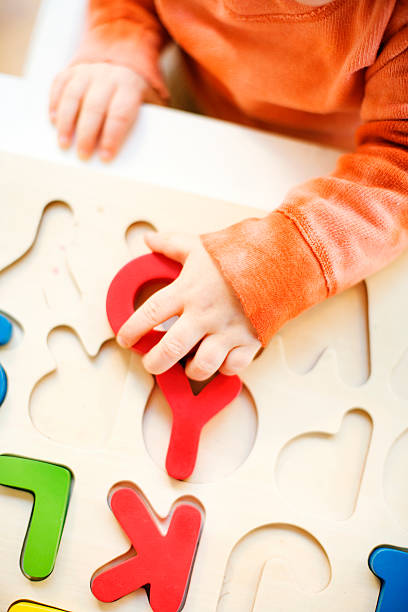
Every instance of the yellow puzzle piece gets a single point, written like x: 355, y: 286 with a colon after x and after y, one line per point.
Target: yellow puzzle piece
x: 29, y: 606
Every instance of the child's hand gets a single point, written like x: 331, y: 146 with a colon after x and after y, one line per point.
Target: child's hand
x: 208, y: 311
x: 102, y: 102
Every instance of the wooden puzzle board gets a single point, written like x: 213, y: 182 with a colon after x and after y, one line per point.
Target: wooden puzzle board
x: 300, y: 477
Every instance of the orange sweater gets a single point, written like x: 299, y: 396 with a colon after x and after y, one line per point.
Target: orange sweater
x: 326, y: 74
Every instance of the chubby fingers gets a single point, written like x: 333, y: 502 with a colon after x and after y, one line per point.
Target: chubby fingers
x: 121, y: 114
x: 230, y: 353
x: 57, y: 88
x: 157, y: 309
x: 100, y: 99
x: 173, y: 245
x: 174, y: 345
x: 210, y: 315
x: 69, y: 107
x: 177, y: 342
x: 209, y: 357
x: 218, y: 352
x: 239, y: 358
x: 92, y: 116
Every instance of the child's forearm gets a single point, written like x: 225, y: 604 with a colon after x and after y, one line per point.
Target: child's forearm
x: 127, y: 33
x: 334, y: 231
x: 271, y: 268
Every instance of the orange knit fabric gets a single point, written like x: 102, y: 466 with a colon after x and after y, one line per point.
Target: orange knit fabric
x: 330, y: 74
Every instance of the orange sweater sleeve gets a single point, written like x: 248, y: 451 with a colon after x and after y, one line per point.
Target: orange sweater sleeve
x: 128, y: 33
x: 333, y: 231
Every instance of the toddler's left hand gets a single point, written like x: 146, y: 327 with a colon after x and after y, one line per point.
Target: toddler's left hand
x: 208, y: 311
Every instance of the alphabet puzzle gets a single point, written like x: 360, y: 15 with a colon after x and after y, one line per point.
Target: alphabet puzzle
x: 263, y: 493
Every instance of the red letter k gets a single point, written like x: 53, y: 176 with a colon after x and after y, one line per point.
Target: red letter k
x: 164, y: 562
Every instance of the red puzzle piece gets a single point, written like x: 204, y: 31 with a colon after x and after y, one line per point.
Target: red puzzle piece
x: 164, y: 562
x: 126, y: 285
x: 190, y: 412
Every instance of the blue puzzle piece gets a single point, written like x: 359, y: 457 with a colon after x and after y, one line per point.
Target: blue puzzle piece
x: 3, y: 385
x: 390, y: 565
x: 6, y: 330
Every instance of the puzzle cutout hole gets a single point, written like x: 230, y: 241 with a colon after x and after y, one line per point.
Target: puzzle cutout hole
x: 44, y: 266
x: 399, y: 376
x: 300, y: 563
x: 395, y: 480
x: 134, y: 238
x: 226, y: 441
x: 82, y: 414
x: 323, y: 472
x: 340, y: 323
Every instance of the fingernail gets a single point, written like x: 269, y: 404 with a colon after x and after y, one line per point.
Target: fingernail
x: 105, y: 155
x: 63, y: 141
x: 121, y: 341
x: 82, y: 154
x: 146, y: 365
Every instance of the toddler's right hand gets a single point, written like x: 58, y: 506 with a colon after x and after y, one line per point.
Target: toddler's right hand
x: 101, y: 101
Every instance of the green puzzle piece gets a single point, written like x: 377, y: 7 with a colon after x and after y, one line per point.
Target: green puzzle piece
x: 51, y: 486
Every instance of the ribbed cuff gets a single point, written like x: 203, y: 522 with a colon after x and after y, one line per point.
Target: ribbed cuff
x: 271, y: 268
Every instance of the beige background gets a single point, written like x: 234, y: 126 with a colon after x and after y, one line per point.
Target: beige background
x: 17, y: 18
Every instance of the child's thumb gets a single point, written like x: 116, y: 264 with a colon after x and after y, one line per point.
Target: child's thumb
x: 175, y: 246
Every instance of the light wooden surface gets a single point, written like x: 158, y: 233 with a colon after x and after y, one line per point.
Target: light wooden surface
x: 293, y: 507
